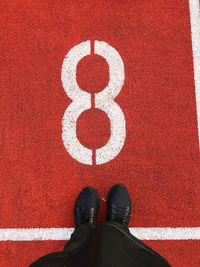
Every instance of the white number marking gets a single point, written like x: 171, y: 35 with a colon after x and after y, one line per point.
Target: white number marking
x: 104, y: 100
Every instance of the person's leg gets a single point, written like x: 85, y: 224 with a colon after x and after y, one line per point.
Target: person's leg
x: 85, y: 214
x: 79, y: 236
x: 119, y: 212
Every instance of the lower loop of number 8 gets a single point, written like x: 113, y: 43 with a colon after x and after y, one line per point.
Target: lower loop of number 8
x: 104, y: 100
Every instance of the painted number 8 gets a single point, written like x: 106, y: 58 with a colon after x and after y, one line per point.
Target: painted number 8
x: 104, y: 100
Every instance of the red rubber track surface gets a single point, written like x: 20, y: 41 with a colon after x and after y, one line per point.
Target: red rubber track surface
x: 159, y: 162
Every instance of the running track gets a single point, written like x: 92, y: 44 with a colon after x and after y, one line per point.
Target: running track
x: 155, y: 132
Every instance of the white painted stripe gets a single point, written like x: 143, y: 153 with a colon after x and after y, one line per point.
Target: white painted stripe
x: 166, y: 233
x: 195, y: 30
x: 41, y: 234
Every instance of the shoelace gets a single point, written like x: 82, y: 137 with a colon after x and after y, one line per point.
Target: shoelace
x: 85, y: 215
x: 120, y: 214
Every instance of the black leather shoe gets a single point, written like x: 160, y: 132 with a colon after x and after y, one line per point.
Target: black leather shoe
x: 119, y: 205
x: 86, y: 207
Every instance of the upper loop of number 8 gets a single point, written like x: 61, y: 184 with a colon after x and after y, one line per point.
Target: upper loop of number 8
x: 104, y: 100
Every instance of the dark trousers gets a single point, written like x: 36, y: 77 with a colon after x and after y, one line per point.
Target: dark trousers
x: 83, y: 233
x: 106, y: 245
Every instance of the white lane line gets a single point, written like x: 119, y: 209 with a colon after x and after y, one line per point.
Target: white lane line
x: 195, y: 30
x: 166, y: 233
x: 143, y: 233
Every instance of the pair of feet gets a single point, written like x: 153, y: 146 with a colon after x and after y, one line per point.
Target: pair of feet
x: 88, y: 203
